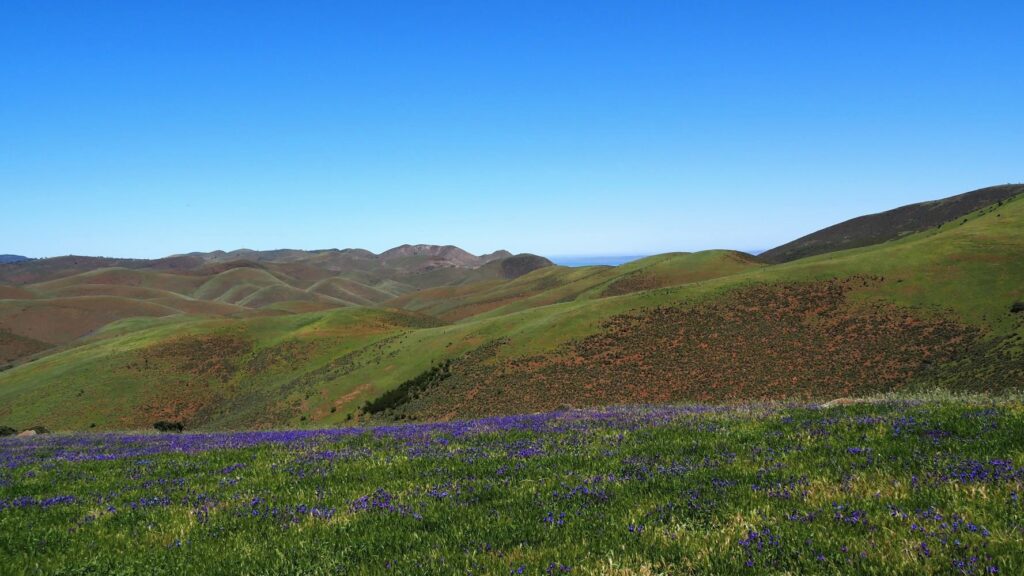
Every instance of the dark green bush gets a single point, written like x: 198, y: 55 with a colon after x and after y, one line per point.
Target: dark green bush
x: 166, y: 426
x: 7, y: 431
x: 408, y: 389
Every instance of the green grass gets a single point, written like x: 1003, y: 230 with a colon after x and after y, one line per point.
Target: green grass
x: 968, y: 271
x: 927, y: 485
x: 558, y: 284
x: 92, y: 385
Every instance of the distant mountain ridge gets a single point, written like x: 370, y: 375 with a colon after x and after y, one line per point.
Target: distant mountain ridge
x: 399, y: 261
x: 891, y: 224
x: 11, y: 258
x: 52, y: 301
x: 440, y: 252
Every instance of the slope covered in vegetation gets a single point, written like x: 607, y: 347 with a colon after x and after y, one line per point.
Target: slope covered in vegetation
x: 930, y: 309
x: 891, y: 224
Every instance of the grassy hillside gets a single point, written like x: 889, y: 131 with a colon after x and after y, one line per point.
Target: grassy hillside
x: 961, y: 281
x: 13, y: 347
x: 224, y: 373
x: 121, y: 277
x: 930, y: 309
x: 891, y: 224
x: 60, y: 300
x: 558, y: 284
x: 350, y: 291
x: 945, y: 292
x: 60, y: 320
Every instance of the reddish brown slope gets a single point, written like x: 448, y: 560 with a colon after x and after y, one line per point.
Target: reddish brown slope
x: 767, y: 341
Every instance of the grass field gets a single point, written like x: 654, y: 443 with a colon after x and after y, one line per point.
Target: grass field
x: 899, y: 486
x: 930, y: 309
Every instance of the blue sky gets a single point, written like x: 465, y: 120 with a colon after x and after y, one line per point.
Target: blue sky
x: 143, y: 128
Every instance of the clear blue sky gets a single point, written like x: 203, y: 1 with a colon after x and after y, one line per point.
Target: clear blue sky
x: 144, y: 128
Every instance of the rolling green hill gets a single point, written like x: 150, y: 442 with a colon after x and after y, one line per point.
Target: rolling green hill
x: 891, y: 224
x: 932, y: 308
x: 551, y: 285
x: 57, y: 301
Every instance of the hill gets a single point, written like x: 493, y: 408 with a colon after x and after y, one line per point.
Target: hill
x: 400, y: 261
x: 55, y: 301
x: 891, y: 224
x: 226, y: 373
x: 11, y: 258
x: 931, y: 308
x: 551, y: 285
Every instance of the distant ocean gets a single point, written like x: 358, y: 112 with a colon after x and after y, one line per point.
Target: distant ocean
x: 594, y: 260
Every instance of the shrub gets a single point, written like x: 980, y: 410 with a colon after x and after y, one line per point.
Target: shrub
x: 166, y: 426
x: 408, y: 389
x: 40, y: 429
x: 1017, y: 307
x: 7, y: 431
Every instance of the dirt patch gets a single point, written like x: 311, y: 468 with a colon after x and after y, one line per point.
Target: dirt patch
x: 798, y: 341
x: 633, y: 282
x: 342, y: 401
x: 15, y: 293
x: 14, y: 347
x: 284, y: 356
x: 61, y: 320
x: 215, y: 357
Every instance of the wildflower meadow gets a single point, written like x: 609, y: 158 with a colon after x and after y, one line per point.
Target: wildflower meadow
x: 928, y: 486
